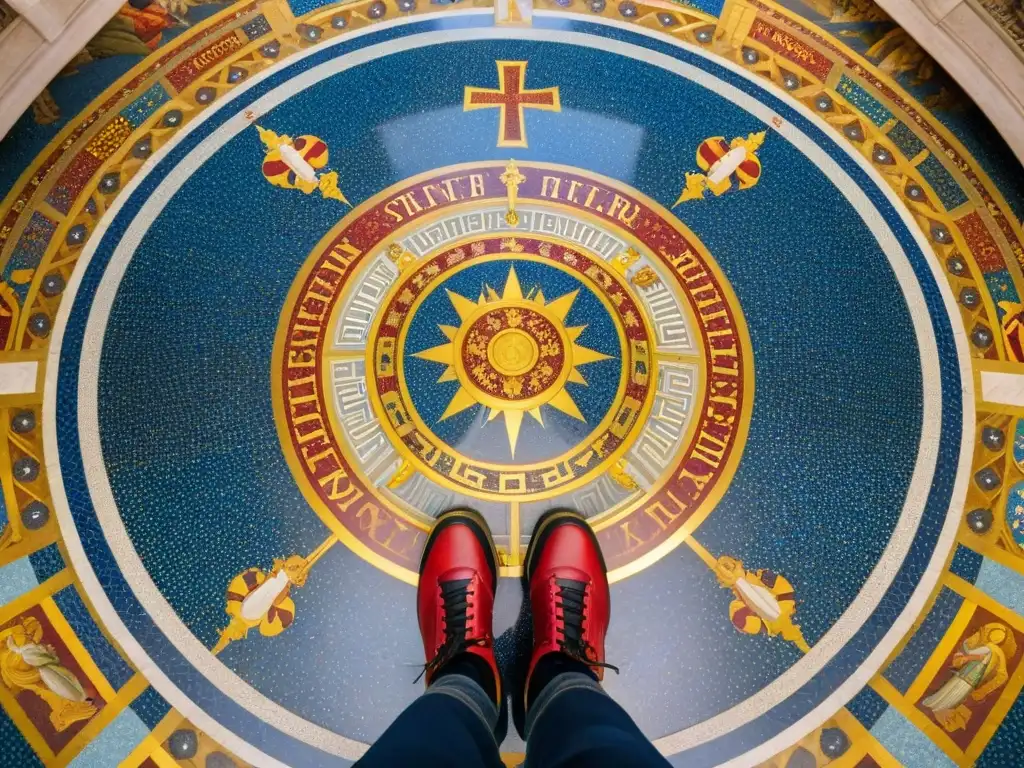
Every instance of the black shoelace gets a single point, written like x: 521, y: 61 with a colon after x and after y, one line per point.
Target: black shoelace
x: 571, y: 594
x: 455, y: 596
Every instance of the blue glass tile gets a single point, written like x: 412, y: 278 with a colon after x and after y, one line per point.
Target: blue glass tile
x: 711, y: 7
x: 16, y: 579
x: 47, y: 562
x: 302, y: 7
x: 941, y: 180
x: 1002, y: 584
x: 906, y: 743
x: 871, y: 107
x: 1001, y: 287
x: 905, y: 667
x: 13, y: 747
x: 867, y: 706
x: 1007, y: 745
x: 906, y: 140
x: 114, y: 743
x: 151, y: 707
x: 966, y: 563
x: 257, y: 27
x: 145, y: 105
x: 110, y: 662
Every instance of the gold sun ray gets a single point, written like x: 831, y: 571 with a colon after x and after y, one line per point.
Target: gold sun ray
x: 439, y: 354
x: 563, y: 402
x: 513, y: 421
x: 556, y: 310
x: 583, y: 355
x: 560, y: 307
x: 513, y: 291
x: 463, y: 307
x: 459, y: 403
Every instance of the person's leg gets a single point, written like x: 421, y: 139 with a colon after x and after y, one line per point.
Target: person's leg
x: 570, y: 722
x: 460, y: 719
x: 452, y: 724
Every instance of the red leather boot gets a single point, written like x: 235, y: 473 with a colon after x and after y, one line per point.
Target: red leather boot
x: 568, y: 588
x: 455, y: 600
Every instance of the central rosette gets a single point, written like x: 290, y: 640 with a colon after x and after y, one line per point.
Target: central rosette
x: 503, y: 350
x: 512, y: 353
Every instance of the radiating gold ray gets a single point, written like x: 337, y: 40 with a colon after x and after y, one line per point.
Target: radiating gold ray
x: 512, y: 289
x: 445, y: 353
x: 584, y: 355
x: 563, y: 401
x: 560, y: 307
x: 459, y: 403
x: 513, y: 421
x: 463, y: 306
x: 557, y: 310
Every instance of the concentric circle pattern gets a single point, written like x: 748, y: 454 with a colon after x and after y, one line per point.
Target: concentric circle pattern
x: 310, y: 275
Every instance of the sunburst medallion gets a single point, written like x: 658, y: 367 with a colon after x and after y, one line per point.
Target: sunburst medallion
x: 512, y: 354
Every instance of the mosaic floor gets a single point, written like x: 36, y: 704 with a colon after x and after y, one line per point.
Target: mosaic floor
x: 738, y: 280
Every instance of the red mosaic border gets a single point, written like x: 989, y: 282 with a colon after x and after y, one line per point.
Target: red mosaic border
x: 721, y: 416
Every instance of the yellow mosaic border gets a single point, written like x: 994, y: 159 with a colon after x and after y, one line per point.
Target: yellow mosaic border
x: 905, y: 704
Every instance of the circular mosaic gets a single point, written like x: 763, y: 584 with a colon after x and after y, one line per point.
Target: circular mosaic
x: 514, y: 370
x: 701, y: 319
x: 514, y: 355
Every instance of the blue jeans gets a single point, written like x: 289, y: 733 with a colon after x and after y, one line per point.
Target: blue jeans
x: 573, y: 723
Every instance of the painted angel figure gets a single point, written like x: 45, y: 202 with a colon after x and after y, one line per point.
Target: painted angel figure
x: 28, y: 665
x: 978, y: 669
x: 1013, y: 329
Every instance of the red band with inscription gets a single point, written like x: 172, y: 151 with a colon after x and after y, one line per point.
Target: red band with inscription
x: 721, y: 413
